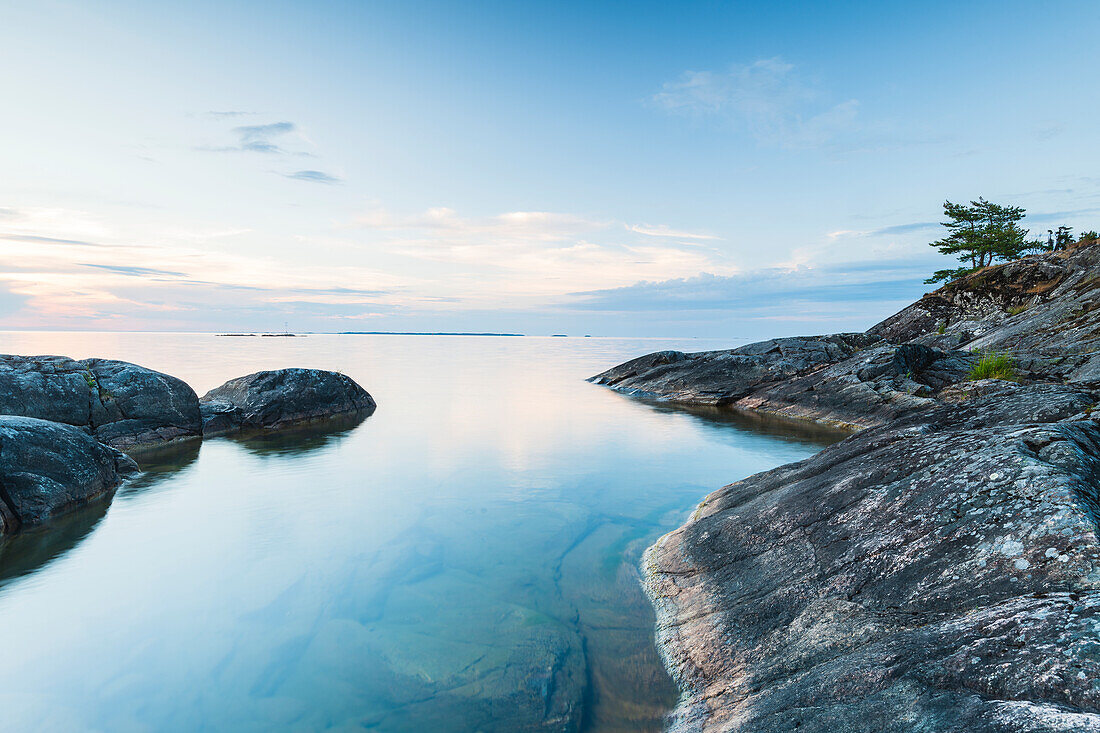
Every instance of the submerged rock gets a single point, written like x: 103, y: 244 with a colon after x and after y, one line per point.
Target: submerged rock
x: 47, y: 468
x: 280, y: 398
x: 121, y: 404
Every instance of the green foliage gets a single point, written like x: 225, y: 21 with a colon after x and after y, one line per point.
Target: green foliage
x: 1063, y: 237
x: 980, y: 234
x: 1090, y: 237
x: 1018, y: 309
x: 994, y: 365
x: 942, y: 329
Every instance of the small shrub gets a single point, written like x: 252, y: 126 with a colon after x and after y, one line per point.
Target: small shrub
x: 942, y: 329
x: 1018, y: 309
x: 994, y: 365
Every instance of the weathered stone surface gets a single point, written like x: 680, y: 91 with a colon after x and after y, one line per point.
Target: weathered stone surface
x: 1045, y: 304
x: 275, y: 399
x: 938, y: 571
x: 1043, y: 309
x: 47, y: 468
x: 121, y: 404
x: 844, y: 380
x: 941, y: 573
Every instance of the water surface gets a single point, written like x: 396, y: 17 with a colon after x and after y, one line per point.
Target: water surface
x: 465, y: 559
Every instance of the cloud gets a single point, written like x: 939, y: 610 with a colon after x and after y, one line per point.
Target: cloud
x: 313, y: 176
x: 35, y: 239
x: 761, y: 290
x: 10, y: 302
x: 765, y: 97
x: 663, y: 230
x: 221, y: 115
x: 538, y: 225
x: 1058, y: 216
x: 133, y: 271
x: 534, y: 255
x: 885, y: 231
x: 257, y: 138
x: 904, y: 228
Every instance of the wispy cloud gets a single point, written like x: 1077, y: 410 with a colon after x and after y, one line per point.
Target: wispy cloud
x: 1051, y: 217
x: 258, y: 138
x: 36, y: 239
x: 871, y: 281
x: 765, y: 97
x: 313, y: 177
x: 896, y: 229
x: 663, y: 230
x: 133, y: 271
x: 535, y: 254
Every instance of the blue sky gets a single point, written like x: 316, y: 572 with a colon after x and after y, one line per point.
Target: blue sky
x: 687, y: 169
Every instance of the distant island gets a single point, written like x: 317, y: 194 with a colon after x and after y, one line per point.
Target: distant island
x: 422, y: 333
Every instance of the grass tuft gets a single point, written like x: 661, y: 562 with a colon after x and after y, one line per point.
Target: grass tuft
x: 994, y: 365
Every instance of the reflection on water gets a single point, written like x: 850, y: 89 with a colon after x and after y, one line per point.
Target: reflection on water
x: 464, y: 559
x: 35, y: 547
x: 298, y: 439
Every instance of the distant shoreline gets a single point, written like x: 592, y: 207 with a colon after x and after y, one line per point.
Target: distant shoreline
x: 422, y: 333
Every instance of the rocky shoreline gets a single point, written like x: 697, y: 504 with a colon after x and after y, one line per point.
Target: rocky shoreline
x: 66, y: 426
x: 939, y: 570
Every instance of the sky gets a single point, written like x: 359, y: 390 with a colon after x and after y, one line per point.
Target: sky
x: 689, y: 169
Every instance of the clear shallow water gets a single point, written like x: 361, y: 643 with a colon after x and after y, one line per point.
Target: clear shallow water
x: 465, y: 559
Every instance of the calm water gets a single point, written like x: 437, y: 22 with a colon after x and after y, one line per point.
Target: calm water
x: 465, y: 559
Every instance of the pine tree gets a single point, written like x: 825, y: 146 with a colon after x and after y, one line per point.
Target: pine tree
x: 1063, y: 238
x: 980, y: 234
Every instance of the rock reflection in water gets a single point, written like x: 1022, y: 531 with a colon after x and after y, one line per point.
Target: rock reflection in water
x: 31, y: 549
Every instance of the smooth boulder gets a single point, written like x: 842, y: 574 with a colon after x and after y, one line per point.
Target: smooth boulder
x: 47, y: 468
x: 124, y: 405
x: 281, y: 398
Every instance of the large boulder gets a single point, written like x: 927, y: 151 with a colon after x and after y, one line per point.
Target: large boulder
x: 281, y: 398
x: 47, y: 468
x: 121, y: 404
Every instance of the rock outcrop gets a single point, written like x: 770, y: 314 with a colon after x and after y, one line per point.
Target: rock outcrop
x: 939, y: 570
x: 123, y: 405
x: 47, y: 468
x: 850, y: 380
x: 939, y: 573
x: 281, y: 398
x: 62, y: 422
x: 1044, y: 310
